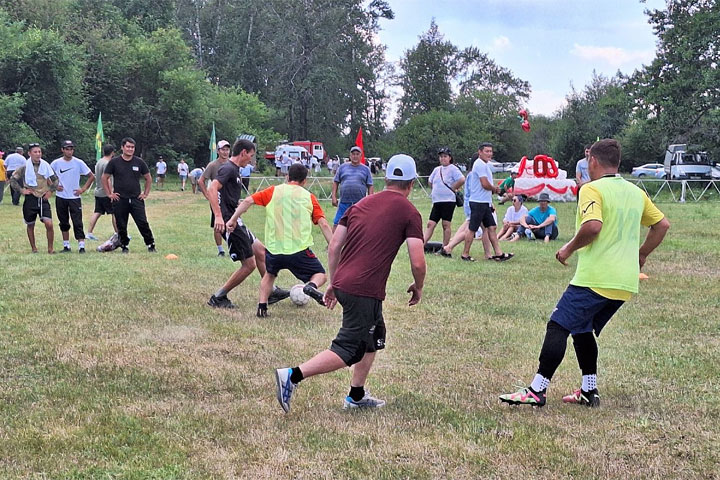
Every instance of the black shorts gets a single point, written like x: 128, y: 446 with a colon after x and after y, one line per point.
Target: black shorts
x: 34, y: 208
x: 103, y: 205
x: 303, y: 264
x: 363, y: 328
x: 442, y: 211
x: 161, y: 175
x: 212, y: 219
x: 480, y: 216
x: 240, y: 243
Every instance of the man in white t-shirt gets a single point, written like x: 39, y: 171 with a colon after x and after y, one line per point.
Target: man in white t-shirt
x: 13, y: 162
x: 481, y: 191
x: 68, y: 203
x: 513, y: 217
x: 183, y: 170
x: 161, y: 170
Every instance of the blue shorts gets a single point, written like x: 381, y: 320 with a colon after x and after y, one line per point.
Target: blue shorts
x: 342, y: 207
x: 581, y: 310
x: 303, y: 264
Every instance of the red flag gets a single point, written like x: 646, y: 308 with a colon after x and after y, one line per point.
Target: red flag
x: 359, y: 143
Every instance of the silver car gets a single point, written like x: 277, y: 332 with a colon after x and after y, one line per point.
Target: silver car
x: 648, y: 170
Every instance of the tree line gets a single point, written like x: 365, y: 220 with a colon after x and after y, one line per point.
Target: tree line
x: 163, y: 72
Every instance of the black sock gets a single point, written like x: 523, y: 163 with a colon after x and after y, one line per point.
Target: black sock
x: 357, y: 393
x: 296, y: 376
x: 553, y: 349
x: 262, y: 306
x: 312, y: 284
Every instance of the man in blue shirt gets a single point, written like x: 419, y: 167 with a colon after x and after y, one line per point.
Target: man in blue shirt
x: 541, y: 221
x: 355, y: 181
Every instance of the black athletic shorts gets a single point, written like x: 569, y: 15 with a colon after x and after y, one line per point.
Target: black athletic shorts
x: 212, y: 219
x: 363, y: 328
x: 442, y: 211
x: 303, y: 264
x: 480, y: 216
x: 240, y: 243
x: 34, y: 208
x: 103, y: 205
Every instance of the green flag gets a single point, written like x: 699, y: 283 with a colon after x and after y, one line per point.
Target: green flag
x: 99, y: 138
x: 213, y: 145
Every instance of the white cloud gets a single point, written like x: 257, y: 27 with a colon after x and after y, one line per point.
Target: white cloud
x: 613, y: 56
x: 545, y: 102
x: 501, y: 43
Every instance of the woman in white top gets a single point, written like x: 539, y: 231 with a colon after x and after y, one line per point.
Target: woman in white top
x: 512, y: 218
x: 444, y: 180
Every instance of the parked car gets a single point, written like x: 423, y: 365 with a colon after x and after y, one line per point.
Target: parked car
x: 496, y: 167
x: 649, y: 170
x: 716, y: 172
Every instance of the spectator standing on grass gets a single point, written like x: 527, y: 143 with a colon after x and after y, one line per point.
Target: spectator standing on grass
x: 360, y: 256
x: 103, y: 204
x: 183, y: 170
x: 481, y: 211
x: 37, y: 181
x: 12, y: 163
x: 582, y: 174
x: 209, y: 175
x: 610, y: 214
x: 3, y: 176
x: 160, y: 170
x: 126, y: 171
x: 540, y: 222
x: 354, y: 181
x: 444, y: 181
x: 68, y: 201
x: 224, y: 195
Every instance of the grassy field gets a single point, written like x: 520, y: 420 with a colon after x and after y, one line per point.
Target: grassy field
x: 112, y: 365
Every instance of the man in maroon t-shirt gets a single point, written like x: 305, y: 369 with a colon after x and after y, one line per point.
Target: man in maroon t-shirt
x: 360, y: 256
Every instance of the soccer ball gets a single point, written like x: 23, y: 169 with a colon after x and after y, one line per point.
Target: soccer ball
x: 297, y: 296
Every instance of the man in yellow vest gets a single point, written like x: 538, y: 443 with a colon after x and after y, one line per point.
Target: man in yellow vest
x: 610, y: 213
x: 291, y: 212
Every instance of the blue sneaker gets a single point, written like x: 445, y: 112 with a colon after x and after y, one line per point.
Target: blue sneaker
x: 284, y: 387
x: 368, y: 401
x: 90, y: 236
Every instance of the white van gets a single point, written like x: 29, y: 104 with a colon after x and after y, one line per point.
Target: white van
x: 297, y: 154
x: 683, y: 165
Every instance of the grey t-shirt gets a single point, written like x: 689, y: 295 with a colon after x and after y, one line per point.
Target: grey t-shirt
x: 99, y: 170
x: 582, y: 169
x: 354, y: 182
x: 440, y: 191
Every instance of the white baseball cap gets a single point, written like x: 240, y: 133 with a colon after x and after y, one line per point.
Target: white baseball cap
x: 401, y: 167
x: 223, y: 143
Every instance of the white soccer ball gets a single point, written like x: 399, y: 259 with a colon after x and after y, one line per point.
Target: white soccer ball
x: 297, y: 296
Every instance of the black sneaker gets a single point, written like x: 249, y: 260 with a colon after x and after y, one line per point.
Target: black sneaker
x: 581, y: 397
x: 152, y: 248
x: 313, y: 293
x: 221, y: 253
x: 220, y: 302
x: 277, y: 295
x: 81, y: 250
x: 65, y: 250
x: 124, y: 249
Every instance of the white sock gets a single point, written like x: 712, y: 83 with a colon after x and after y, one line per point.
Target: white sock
x: 220, y: 248
x: 66, y: 243
x: 81, y: 244
x: 589, y: 382
x: 539, y: 383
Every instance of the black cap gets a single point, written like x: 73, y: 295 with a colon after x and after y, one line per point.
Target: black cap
x: 445, y: 150
x: 67, y: 143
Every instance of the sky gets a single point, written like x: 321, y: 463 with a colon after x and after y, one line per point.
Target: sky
x: 553, y: 44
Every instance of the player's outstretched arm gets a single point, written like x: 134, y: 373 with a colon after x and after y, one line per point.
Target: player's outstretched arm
x: 655, y: 236
x: 416, y: 251
x: 325, y: 229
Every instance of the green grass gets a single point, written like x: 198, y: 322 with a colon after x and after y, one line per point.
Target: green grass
x: 112, y: 366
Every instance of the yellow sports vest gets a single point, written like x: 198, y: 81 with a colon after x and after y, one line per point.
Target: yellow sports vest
x: 288, y: 221
x: 612, y: 259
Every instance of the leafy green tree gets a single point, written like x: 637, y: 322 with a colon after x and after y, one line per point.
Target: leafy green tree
x: 679, y: 89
